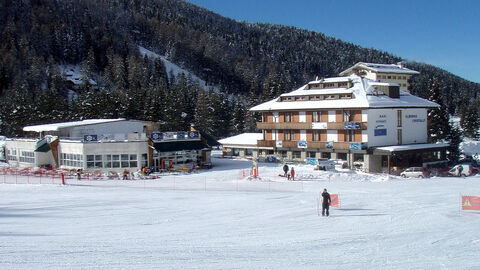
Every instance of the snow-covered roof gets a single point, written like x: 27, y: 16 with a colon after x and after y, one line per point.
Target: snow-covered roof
x: 381, y: 68
x: 242, y: 139
x: 303, y: 92
x: 395, y: 148
x: 58, y: 126
x: 331, y: 80
x: 365, y: 95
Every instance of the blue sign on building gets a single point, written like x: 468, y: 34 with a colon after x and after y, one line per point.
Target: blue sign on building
x: 355, y: 146
x: 156, y: 136
x: 193, y: 134
x: 380, y: 132
x: 90, y: 138
x: 351, y: 125
x: 329, y: 144
x: 180, y: 135
x: 302, y: 144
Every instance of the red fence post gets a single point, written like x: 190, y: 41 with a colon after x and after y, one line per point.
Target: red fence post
x: 63, y: 178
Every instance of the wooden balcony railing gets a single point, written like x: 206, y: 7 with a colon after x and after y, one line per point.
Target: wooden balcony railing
x: 304, y: 125
x: 283, y: 125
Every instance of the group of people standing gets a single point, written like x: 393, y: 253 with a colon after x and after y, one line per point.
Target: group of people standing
x: 290, y: 175
x: 326, y: 200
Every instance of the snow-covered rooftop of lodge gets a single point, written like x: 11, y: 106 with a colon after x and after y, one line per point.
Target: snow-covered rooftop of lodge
x: 242, y: 139
x: 58, y: 126
x: 331, y: 80
x: 364, y: 96
x: 407, y: 147
x: 383, y: 68
x: 303, y: 92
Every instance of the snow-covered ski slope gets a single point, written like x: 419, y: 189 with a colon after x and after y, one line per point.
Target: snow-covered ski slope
x: 171, y: 67
x: 383, y: 223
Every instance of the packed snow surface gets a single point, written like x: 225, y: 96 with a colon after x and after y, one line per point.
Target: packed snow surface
x: 213, y: 220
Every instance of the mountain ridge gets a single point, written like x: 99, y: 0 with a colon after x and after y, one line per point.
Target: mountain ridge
x: 252, y: 61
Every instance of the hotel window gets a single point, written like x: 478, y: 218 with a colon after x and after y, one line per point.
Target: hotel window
x: 347, y: 116
x: 289, y: 135
x: 27, y: 157
x: 331, y: 97
x: 316, y: 135
x: 316, y: 116
x: 399, y: 118
x: 349, y: 135
x: 394, y: 77
x: 314, y: 97
x: 311, y: 154
x: 288, y: 116
x: 345, y: 96
x: 283, y: 154
x: 389, y: 77
x: 297, y: 154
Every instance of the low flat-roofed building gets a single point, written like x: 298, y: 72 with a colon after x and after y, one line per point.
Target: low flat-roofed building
x: 107, y: 145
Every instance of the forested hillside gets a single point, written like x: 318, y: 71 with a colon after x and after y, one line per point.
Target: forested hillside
x: 244, y: 63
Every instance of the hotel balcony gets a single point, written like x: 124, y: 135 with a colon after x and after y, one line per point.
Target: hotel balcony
x: 310, y: 144
x: 305, y: 125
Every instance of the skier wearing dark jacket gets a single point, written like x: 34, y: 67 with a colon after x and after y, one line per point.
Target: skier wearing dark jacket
x: 285, y: 169
x: 325, y: 202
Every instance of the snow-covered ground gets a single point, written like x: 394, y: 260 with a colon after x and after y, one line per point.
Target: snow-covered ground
x: 211, y: 220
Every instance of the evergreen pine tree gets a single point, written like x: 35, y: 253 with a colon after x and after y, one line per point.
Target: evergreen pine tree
x: 438, y: 117
x: 203, y: 113
x: 238, y: 118
x: 454, y: 138
x: 251, y: 118
x: 470, y: 122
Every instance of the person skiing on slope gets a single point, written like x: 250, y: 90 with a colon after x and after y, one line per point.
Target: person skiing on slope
x: 325, y: 202
x: 285, y: 169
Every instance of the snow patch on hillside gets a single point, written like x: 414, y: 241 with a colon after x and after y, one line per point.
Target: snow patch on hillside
x: 175, y: 69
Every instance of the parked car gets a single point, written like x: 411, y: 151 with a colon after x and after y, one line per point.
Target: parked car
x: 461, y: 170
x: 414, y: 172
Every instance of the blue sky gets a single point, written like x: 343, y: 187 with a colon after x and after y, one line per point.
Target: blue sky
x: 442, y: 33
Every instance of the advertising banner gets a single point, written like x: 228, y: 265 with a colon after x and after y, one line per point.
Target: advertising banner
x: 380, y: 130
x: 181, y: 135
x: 279, y: 144
x: 156, y: 136
x: 302, y: 144
x: 193, y: 135
x: 90, y: 138
x: 169, y: 135
x: 355, y: 146
x: 329, y: 144
x: 351, y: 125
x: 319, y: 125
x: 471, y: 203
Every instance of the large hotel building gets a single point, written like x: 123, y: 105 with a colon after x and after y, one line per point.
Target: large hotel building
x: 359, y: 118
